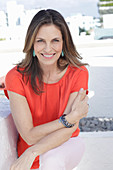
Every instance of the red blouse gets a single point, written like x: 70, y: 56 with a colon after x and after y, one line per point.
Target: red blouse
x: 51, y: 104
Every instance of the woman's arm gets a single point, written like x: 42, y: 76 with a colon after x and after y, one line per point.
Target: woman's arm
x: 49, y: 142
x: 23, y: 119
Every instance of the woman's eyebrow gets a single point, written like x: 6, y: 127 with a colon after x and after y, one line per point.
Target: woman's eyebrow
x: 39, y: 38
x: 56, y: 38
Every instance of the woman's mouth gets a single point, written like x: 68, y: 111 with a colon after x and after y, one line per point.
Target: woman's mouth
x: 48, y: 56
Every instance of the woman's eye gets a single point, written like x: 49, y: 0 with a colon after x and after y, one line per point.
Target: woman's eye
x: 55, y: 40
x: 39, y: 40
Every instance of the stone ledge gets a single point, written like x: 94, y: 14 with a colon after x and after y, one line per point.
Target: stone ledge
x: 97, y: 134
x: 96, y: 124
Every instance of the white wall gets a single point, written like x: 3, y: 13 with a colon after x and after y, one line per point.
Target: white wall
x: 8, y: 141
x: 108, y: 20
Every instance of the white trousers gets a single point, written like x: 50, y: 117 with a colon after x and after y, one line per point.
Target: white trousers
x: 65, y: 157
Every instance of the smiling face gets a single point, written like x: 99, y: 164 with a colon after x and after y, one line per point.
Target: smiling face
x: 48, y: 44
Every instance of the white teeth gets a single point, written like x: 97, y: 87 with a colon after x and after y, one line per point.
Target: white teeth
x: 48, y: 56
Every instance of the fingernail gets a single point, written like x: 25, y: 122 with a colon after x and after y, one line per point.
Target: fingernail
x: 81, y: 89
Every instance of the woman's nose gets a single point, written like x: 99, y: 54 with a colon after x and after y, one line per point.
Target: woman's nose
x: 48, y: 47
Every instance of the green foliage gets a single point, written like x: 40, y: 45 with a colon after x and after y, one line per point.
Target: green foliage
x: 105, y: 3
x: 2, y: 39
x: 101, y: 19
x: 87, y: 33
x: 105, y: 0
x: 81, y: 30
x: 108, y: 5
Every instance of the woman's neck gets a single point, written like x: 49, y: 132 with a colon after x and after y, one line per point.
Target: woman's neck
x: 53, y: 75
x: 49, y: 70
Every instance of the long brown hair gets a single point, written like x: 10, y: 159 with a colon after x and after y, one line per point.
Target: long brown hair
x: 31, y: 66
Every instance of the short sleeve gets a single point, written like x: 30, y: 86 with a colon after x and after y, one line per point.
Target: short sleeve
x: 14, y: 82
x: 80, y: 80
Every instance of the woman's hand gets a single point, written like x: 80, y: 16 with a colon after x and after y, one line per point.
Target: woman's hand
x: 2, y: 82
x: 24, y: 162
x: 79, y: 107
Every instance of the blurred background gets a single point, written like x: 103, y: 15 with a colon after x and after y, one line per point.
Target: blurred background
x: 91, y: 26
x: 84, y: 17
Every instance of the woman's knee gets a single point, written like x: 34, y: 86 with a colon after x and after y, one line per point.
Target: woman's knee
x: 52, y: 162
x: 64, y: 157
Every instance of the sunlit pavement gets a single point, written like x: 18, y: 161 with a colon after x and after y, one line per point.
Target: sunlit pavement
x: 97, y: 53
x: 100, y: 59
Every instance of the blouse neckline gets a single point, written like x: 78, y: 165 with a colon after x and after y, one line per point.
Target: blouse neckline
x: 50, y: 84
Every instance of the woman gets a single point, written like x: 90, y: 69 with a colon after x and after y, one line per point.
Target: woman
x: 45, y: 97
